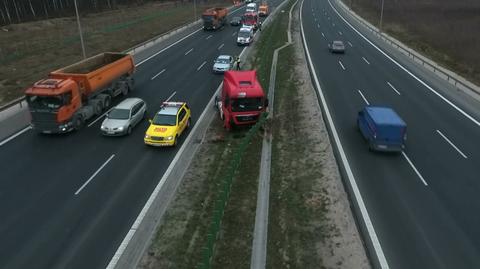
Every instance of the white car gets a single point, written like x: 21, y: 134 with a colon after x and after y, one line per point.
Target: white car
x: 245, y: 36
x: 252, y: 7
x: 123, y: 117
x: 223, y: 63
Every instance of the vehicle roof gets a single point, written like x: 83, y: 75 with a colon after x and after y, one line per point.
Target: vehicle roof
x: 236, y: 82
x: 337, y: 42
x: 246, y: 28
x: 384, y: 115
x: 128, y: 103
x: 170, y: 108
x: 251, y: 4
x: 226, y: 57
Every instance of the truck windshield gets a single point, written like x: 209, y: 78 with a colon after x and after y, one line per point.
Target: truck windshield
x: 208, y: 18
x: 246, y: 104
x: 119, y: 114
x: 45, y: 102
x: 169, y: 120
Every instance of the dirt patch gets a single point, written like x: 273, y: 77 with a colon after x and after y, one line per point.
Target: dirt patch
x: 311, y: 225
x: 29, y: 51
x: 424, y: 25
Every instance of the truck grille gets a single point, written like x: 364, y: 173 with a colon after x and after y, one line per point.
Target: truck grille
x: 247, y: 118
x: 44, y: 120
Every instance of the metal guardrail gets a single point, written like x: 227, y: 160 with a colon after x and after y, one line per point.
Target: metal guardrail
x: 448, y: 75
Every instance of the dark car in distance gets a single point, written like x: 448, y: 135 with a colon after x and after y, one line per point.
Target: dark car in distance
x: 236, y: 21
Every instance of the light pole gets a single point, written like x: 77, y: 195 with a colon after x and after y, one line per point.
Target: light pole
x: 381, y: 16
x: 80, y: 29
x: 194, y: 10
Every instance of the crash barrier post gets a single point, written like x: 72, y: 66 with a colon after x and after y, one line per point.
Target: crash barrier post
x: 224, y: 194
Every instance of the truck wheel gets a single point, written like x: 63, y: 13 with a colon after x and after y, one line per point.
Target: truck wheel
x: 78, y: 123
x: 98, y: 108
x: 107, y: 102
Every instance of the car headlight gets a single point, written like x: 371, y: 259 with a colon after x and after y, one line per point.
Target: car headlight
x: 103, y: 127
x: 169, y: 138
x: 147, y: 136
x: 121, y: 128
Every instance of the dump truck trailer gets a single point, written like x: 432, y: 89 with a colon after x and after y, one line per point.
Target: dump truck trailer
x: 70, y: 96
x: 214, y: 18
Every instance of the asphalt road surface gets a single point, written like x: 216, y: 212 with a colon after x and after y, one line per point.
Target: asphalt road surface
x: 424, y: 202
x: 47, y: 219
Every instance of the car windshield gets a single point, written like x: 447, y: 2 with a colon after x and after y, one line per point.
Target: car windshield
x: 162, y: 119
x: 45, y: 102
x: 236, y: 19
x: 338, y: 44
x: 246, y: 104
x: 207, y: 18
x: 244, y: 34
x: 222, y: 61
x: 119, y: 114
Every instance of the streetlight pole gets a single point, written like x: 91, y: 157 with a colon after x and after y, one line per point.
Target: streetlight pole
x: 194, y: 10
x: 381, y: 16
x: 80, y: 29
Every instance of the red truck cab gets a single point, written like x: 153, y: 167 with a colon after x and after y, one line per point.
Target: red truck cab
x: 241, y: 100
x: 251, y: 19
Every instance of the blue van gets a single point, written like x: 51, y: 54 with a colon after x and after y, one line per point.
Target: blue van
x: 383, y: 129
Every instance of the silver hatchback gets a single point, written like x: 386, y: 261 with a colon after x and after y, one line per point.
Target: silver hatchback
x: 123, y: 117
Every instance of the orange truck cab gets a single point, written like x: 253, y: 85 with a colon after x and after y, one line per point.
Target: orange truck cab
x: 263, y: 10
x: 214, y: 18
x: 242, y: 100
x: 70, y: 96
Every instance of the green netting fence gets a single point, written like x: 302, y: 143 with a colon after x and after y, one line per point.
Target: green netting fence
x: 224, y: 194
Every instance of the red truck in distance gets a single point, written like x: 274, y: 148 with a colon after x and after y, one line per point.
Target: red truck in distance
x: 250, y: 19
x: 242, y: 100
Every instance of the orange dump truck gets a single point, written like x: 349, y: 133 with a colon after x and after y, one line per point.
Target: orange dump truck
x: 263, y: 10
x: 214, y: 18
x: 70, y: 96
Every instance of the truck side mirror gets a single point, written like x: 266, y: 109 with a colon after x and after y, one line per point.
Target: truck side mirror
x: 266, y: 102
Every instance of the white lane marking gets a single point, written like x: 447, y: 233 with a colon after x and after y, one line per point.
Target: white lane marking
x: 221, y: 46
x: 318, y: 25
x: 170, y: 97
x: 323, y: 34
x: 208, y: 37
x: 391, y: 86
x: 365, y: 60
x: 414, y: 168
x: 186, y: 53
x: 234, y: 33
x: 101, y: 116
x: 350, y: 44
x: 408, y: 72
x: 328, y: 18
x: 340, y: 32
x: 200, y: 67
x: 451, y: 144
x: 159, y: 73
x: 363, y: 97
x: 333, y: 24
x: 94, y: 174
x: 15, y: 135
x: 343, y: 67
x: 171, y: 45
x: 356, y: 192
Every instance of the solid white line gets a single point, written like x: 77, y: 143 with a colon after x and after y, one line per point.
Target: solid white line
x: 350, y: 44
x: 94, y: 174
x: 186, y: 53
x: 408, y: 72
x: 208, y: 37
x: 364, y: 99
x: 365, y: 60
x: 391, y: 86
x: 323, y: 34
x: 15, y: 135
x: 200, y: 67
x: 356, y: 192
x: 170, y: 97
x: 221, y: 46
x: 343, y: 67
x: 414, y: 168
x: 451, y: 144
x: 101, y: 116
x: 158, y: 74
x: 234, y: 33
x: 171, y: 45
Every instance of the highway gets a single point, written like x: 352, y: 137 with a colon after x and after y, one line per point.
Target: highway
x: 424, y: 202
x: 67, y: 201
